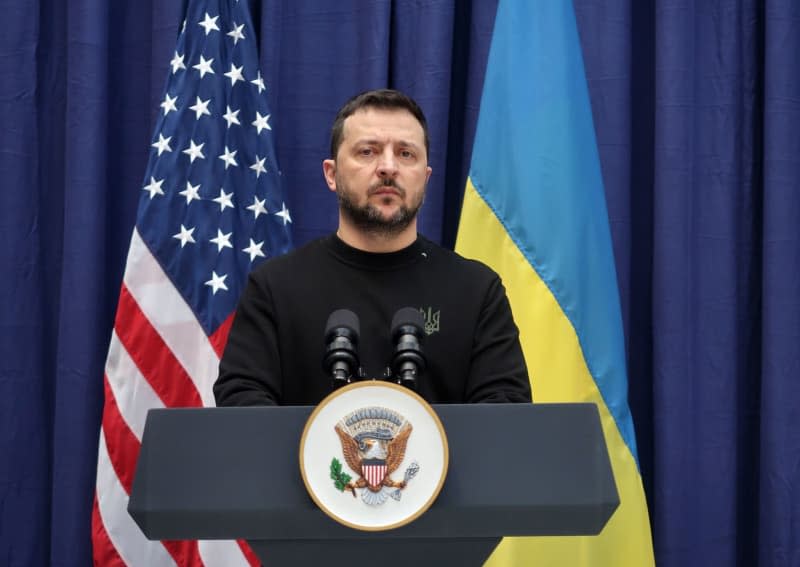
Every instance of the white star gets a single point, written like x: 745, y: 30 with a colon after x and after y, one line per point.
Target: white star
x: 229, y: 157
x: 209, y: 23
x: 236, y: 33
x: 284, y: 214
x: 258, y: 166
x: 177, y: 63
x: 200, y: 107
x: 222, y: 240
x: 235, y: 74
x: 168, y: 104
x: 231, y: 116
x: 204, y: 66
x: 259, y: 82
x: 185, y: 235
x: 194, y: 151
x: 254, y: 249
x: 163, y: 144
x: 224, y: 200
x: 261, y: 122
x: 191, y: 192
x: 217, y: 283
x: 154, y: 187
x: 258, y: 207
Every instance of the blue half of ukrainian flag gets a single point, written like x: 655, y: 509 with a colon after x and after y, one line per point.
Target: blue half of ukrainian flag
x: 534, y: 210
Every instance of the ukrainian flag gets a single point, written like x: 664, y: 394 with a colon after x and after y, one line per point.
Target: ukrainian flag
x: 534, y: 210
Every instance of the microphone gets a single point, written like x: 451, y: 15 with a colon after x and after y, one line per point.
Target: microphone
x: 341, y: 340
x: 408, y: 361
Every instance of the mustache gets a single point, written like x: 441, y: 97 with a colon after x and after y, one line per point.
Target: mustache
x: 388, y: 182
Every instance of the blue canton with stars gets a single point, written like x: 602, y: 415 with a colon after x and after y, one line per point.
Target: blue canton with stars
x: 214, y: 206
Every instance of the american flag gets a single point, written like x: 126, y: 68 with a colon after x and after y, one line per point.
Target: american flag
x: 212, y: 207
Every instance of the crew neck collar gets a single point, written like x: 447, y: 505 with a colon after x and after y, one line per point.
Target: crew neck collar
x: 378, y: 260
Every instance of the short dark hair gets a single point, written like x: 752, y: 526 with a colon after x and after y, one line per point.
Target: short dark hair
x: 386, y: 99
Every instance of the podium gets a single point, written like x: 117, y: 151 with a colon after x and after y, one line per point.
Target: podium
x: 233, y: 473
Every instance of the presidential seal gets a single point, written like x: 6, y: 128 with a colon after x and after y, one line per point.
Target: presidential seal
x: 374, y: 444
x: 361, y: 449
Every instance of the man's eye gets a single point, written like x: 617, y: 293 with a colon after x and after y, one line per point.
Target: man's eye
x: 365, y: 151
x: 406, y: 154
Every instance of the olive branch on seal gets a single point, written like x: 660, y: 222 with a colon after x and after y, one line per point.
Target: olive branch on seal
x: 340, y: 478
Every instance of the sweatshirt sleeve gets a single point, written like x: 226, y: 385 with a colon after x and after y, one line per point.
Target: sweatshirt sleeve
x: 497, y: 371
x: 250, y: 368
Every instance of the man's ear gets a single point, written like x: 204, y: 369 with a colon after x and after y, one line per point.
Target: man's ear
x: 329, y: 170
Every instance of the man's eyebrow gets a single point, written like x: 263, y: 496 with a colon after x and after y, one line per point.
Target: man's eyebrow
x: 373, y: 140
x: 409, y: 144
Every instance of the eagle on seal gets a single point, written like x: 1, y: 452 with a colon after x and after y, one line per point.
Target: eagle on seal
x: 374, y: 457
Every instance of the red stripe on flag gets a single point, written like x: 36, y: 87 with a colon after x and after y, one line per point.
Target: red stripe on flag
x: 219, y: 338
x: 152, y: 356
x: 249, y: 554
x: 123, y: 446
x: 123, y: 451
x: 185, y: 553
x: 104, y: 553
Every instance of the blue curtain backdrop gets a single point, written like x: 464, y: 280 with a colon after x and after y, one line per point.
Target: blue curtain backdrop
x: 697, y: 113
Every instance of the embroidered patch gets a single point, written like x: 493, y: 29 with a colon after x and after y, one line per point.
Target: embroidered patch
x: 431, y: 318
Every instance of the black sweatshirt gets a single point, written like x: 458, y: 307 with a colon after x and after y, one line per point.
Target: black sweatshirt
x: 276, y: 344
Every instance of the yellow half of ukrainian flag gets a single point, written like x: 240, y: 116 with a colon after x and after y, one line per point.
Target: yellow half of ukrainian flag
x: 534, y: 210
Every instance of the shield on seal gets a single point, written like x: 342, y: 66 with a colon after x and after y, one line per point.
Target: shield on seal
x: 374, y: 471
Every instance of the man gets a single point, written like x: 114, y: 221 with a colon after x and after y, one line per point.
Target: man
x: 374, y: 265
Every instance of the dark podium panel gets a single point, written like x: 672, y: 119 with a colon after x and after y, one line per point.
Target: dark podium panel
x: 233, y: 473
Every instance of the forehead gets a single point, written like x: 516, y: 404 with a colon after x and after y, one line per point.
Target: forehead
x: 384, y: 125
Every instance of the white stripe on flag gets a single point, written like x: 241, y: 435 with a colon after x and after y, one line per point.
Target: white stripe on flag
x: 112, y: 502
x: 220, y: 553
x: 131, y: 390
x: 172, y: 318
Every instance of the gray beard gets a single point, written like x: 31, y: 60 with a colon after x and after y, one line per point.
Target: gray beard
x: 368, y: 218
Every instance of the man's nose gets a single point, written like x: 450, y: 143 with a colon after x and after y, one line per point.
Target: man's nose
x: 387, y: 164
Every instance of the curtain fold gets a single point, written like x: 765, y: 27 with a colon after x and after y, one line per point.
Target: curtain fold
x: 778, y: 403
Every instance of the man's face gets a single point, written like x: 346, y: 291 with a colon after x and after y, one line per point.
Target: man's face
x: 380, y: 171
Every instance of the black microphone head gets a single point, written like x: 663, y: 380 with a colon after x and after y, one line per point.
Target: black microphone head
x: 406, y: 318
x: 340, y: 322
